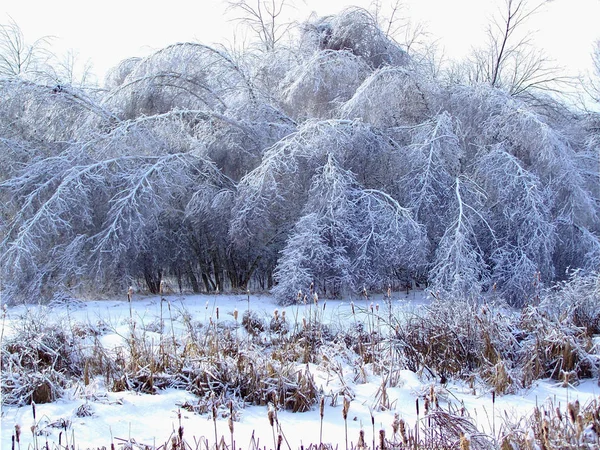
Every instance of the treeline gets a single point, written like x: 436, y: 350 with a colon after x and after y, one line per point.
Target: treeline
x: 338, y: 161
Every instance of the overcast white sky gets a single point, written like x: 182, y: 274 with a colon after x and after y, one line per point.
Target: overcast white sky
x: 109, y: 31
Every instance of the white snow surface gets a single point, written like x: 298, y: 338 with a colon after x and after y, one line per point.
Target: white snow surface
x: 153, y: 419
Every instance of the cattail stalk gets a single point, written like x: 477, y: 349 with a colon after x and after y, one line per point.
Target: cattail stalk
x: 381, y: 439
x: 373, y: 426
x: 345, y: 410
x: 322, y: 414
x: 230, y: 423
x: 214, y: 414
x: 361, y: 439
x: 271, y: 416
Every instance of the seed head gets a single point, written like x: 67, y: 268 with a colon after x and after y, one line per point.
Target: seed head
x: 346, y: 408
x: 396, y: 423
x: 465, y: 443
x: 271, y: 415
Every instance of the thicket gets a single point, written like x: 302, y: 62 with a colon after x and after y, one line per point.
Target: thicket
x: 337, y: 160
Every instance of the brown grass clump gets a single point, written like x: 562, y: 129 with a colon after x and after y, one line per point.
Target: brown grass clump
x: 551, y: 427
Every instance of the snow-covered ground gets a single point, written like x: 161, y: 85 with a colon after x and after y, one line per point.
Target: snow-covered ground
x: 152, y: 419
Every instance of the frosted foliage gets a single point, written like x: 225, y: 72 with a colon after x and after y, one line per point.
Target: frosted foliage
x: 105, y: 204
x: 333, y: 160
x: 44, y: 115
x: 117, y: 75
x: 355, y: 30
x: 391, y: 96
x: 348, y: 238
x: 459, y: 266
x: 523, y: 225
x: 272, y: 195
x: 432, y: 164
x: 316, y: 86
x: 182, y: 76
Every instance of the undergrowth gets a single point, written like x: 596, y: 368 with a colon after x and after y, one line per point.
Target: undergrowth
x: 228, y: 363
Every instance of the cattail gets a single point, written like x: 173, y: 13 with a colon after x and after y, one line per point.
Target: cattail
x: 382, y: 439
x: 361, y: 439
x: 545, y: 430
x: 13, y: 442
x: 271, y: 415
x: 389, y: 291
x: 129, y: 293
x: 279, y: 441
x: 33, y: 410
x: 346, y: 408
x: 465, y: 443
x: 371, y: 306
x: 352, y: 306
x: 217, y: 313
x: 402, y: 429
x: 559, y: 414
x: 377, y: 307
x: 417, y: 405
x: 283, y: 315
x: 18, y: 433
x: 426, y: 405
x: 230, y: 423
x: 396, y: 424
x: 235, y: 314
x: 321, y: 413
x: 276, y: 314
x: 316, y: 299
x: 573, y: 409
x: 86, y: 373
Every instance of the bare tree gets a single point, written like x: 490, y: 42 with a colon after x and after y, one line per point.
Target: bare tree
x: 266, y: 19
x: 594, y: 89
x: 17, y: 56
x: 509, y: 60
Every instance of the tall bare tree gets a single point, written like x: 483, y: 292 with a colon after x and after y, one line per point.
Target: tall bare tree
x: 509, y: 60
x: 266, y: 18
x: 17, y: 56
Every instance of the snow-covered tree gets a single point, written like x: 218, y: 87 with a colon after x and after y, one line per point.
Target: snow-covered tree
x: 348, y: 238
x: 459, y: 268
x: 524, y: 230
